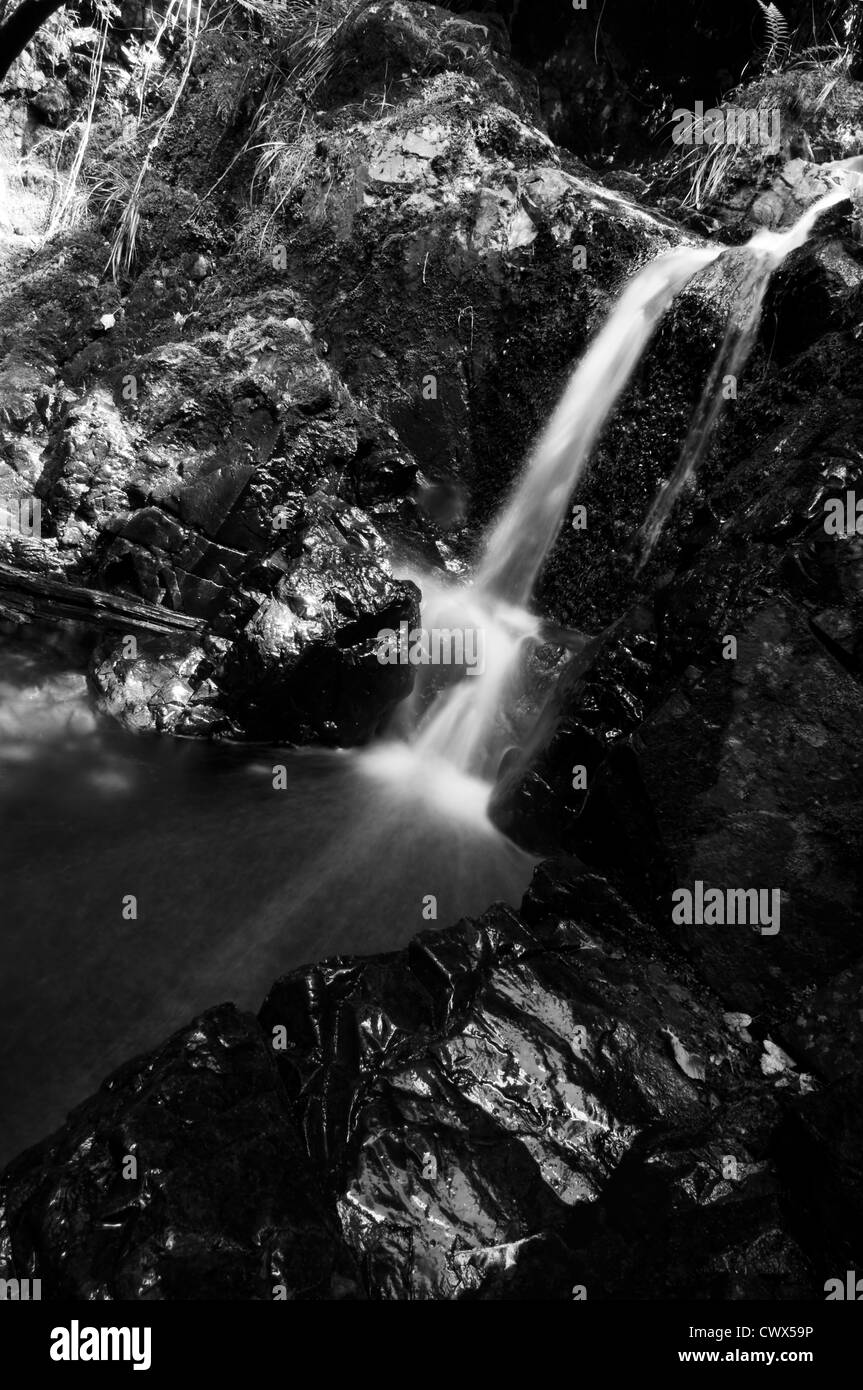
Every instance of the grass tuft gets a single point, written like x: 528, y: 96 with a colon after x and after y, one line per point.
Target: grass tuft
x: 312, y: 47
x: 815, y: 96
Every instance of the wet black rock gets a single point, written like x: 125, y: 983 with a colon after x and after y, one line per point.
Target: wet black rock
x: 182, y: 1178
x: 545, y: 1104
x: 306, y: 665
x: 820, y: 289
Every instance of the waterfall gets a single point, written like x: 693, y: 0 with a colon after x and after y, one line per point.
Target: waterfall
x: 463, y: 726
x: 525, y: 532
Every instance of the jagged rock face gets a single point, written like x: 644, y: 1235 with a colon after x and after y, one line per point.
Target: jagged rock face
x: 205, y: 476
x: 171, y: 693
x: 208, y: 1146
x: 457, y: 1154
x: 528, y: 1105
x: 307, y: 663
x: 816, y: 292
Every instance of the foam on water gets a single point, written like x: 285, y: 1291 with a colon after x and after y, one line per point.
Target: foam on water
x: 406, y: 771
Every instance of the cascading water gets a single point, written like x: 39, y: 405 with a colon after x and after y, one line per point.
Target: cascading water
x: 762, y: 255
x: 236, y: 882
x: 522, y: 538
x: 461, y: 726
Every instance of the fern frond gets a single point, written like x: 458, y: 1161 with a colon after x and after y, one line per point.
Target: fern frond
x: 778, y: 33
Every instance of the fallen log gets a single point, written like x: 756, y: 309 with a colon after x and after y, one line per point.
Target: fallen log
x: 26, y: 596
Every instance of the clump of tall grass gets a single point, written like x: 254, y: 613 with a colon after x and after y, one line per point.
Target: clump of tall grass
x: 309, y: 43
x: 707, y: 169
x: 813, y: 95
x: 312, y: 47
x: 183, y: 22
x: 66, y: 208
x: 124, y: 241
